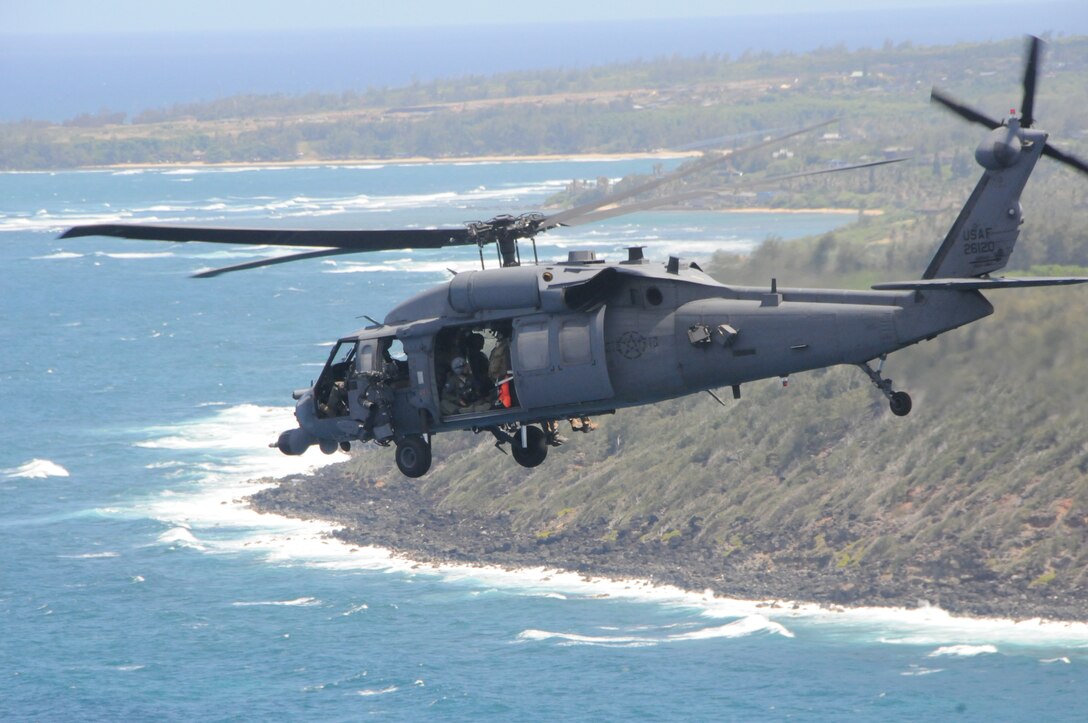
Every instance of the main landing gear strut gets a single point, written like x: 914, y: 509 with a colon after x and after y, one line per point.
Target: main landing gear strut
x: 898, y: 401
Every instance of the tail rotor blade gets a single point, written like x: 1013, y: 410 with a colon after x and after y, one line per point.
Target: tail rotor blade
x: 962, y: 110
x: 1066, y: 158
x: 1031, y: 69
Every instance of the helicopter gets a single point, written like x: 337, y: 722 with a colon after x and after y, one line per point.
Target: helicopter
x: 513, y: 349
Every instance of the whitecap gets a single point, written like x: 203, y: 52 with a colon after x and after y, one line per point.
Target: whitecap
x: 35, y: 469
x: 92, y: 556
x: 917, y: 671
x: 1062, y: 659
x: 181, y: 536
x: 129, y: 255
x: 58, y: 256
x: 301, y: 602
x: 748, y: 625
x: 743, y: 627
x: 607, y: 641
x: 378, y: 691
x: 963, y: 651
x: 405, y: 266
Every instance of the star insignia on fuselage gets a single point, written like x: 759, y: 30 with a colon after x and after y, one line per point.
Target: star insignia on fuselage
x: 631, y: 345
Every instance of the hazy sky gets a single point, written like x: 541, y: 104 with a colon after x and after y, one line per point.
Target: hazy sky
x: 27, y: 16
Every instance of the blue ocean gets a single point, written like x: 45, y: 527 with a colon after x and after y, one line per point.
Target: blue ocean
x: 138, y: 403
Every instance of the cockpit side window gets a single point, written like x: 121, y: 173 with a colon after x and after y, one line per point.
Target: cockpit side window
x: 330, y: 392
x: 396, y: 350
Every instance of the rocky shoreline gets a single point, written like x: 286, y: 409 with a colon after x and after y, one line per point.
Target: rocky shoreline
x: 397, y: 515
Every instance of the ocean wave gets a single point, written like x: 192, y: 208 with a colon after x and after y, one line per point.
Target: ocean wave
x: 963, y: 651
x: 356, y: 609
x: 181, y: 536
x: 358, y: 167
x: 918, y: 671
x: 35, y: 469
x: 135, y: 255
x: 378, y: 691
x: 60, y: 255
x: 222, y: 454
x: 403, y: 266
x: 748, y: 625
x: 744, y: 627
x: 92, y: 555
x: 297, y: 602
x: 606, y: 641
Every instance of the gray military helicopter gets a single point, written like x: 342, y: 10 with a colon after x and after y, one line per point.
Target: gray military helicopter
x: 511, y: 350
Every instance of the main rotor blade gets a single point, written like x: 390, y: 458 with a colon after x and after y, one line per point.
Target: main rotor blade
x: 271, y: 262
x: 702, y: 193
x: 719, y: 141
x: 354, y: 240
x: 1066, y: 158
x: 1027, y: 105
x: 571, y: 215
x: 962, y: 110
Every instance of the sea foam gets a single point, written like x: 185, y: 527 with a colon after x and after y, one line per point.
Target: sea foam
x: 963, y: 651
x: 35, y: 469
x: 743, y: 627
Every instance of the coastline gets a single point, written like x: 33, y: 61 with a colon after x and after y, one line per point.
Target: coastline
x: 467, y: 160
x: 408, y: 160
x: 397, y: 516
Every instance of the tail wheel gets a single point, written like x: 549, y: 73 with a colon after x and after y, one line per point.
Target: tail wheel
x: 900, y: 404
x: 535, y: 450
x: 413, y: 456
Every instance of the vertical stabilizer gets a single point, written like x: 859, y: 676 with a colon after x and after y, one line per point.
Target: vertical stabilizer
x: 984, y: 234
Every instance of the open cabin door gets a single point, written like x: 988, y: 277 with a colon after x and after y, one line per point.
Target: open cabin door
x: 559, y: 359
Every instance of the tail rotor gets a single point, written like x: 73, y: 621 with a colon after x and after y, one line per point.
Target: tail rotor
x: 1026, y: 119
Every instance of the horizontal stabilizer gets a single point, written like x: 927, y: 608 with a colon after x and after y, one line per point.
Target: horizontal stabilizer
x: 979, y: 284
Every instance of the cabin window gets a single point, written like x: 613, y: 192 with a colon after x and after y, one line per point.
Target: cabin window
x: 574, y: 342
x: 653, y: 296
x: 533, y: 346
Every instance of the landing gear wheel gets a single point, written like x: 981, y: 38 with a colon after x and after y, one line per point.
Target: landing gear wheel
x: 900, y: 403
x: 413, y: 456
x: 536, y: 449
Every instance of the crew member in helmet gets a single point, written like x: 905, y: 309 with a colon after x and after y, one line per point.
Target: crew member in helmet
x: 461, y: 392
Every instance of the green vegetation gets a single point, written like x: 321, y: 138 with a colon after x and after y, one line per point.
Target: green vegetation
x: 880, y: 94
